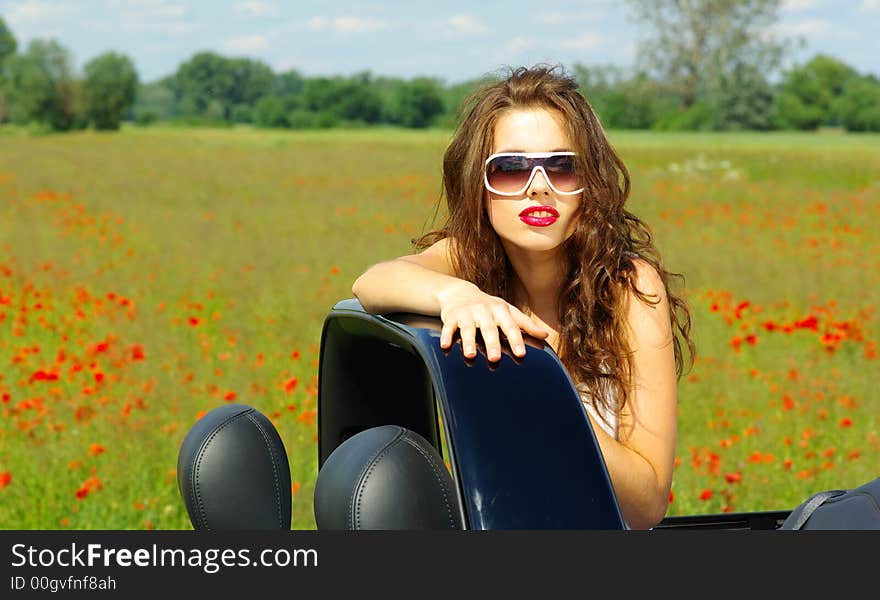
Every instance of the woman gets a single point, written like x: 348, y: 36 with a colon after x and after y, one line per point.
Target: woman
x: 537, y: 240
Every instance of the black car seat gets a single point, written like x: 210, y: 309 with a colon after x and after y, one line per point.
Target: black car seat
x: 233, y: 472
x: 386, y: 477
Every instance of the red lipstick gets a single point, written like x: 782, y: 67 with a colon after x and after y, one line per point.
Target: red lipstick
x: 539, y: 216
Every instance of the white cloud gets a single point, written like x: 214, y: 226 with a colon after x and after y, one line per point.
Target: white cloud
x: 584, y: 42
x: 318, y: 23
x: 178, y: 28
x: 465, y: 24
x: 806, y: 28
x: 246, y: 43
x: 554, y: 18
x: 171, y: 10
x: 257, y: 9
x: 870, y: 6
x: 134, y: 12
x: 519, y: 44
x: 357, y: 24
x: 345, y: 24
x: 35, y: 12
x: 157, y: 8
x: 798, y: 5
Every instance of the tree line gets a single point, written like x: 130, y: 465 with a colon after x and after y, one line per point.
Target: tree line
x: 720, y: 83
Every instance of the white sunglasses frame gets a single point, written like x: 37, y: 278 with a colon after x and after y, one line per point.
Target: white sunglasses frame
x: 531, y: 177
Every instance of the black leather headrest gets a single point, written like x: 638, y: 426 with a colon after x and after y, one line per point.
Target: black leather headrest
x: 386, y: 477
x: 233, y: 473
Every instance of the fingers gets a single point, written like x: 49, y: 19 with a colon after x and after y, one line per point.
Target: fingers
x: 446, y: 334
x: 511, y: 330
x: 527, y: 324
x: 492, y: 319
x: 468, y: 330
x: 485, y: 320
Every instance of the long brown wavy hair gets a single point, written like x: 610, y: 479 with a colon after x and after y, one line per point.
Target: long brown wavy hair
x: 598, y: 255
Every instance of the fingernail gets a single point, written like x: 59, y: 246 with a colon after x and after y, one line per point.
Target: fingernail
x: 520, y: 350
x: 469, y: 350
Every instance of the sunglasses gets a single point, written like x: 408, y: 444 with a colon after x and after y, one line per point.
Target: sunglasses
x: 511, y: 173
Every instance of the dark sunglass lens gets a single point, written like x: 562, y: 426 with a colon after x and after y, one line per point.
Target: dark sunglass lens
x: 560, y: 164
x: 561, y: 170
x: 509, y: 173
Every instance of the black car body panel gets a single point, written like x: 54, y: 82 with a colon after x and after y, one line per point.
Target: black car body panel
x: 519, y: 442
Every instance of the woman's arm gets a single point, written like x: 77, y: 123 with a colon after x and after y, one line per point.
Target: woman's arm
x: 641, y: 463
x: 414, y: 283
x: 424, y: 283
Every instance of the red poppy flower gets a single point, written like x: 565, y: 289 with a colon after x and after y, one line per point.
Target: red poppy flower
x: 96, y: 449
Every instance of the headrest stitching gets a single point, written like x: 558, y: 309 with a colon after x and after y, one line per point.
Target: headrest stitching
x: 200, y: 455
x: 354, y: 512
x: 439, y: 479
x: 274, y: 469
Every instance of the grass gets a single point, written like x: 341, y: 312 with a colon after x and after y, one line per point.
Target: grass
x: 150, y: 275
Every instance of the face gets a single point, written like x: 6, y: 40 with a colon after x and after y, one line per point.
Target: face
x: 532, y: 130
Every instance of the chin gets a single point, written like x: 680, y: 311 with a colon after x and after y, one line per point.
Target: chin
x: 533, y: 241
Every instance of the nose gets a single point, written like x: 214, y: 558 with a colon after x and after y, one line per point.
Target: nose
x: 539, y: 183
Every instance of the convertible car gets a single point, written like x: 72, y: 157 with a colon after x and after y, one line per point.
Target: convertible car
x: 411, y: 436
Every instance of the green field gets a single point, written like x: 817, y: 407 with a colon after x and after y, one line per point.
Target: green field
x: 150, y: 275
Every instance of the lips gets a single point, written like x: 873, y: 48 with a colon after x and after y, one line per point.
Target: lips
x: 539, y: 216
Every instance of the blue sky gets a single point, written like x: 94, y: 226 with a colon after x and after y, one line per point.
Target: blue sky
x: 449, y: 39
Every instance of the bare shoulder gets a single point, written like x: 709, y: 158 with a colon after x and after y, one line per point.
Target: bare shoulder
x: 648, y: 280
x: 437, y: 256
x: 649, y: 320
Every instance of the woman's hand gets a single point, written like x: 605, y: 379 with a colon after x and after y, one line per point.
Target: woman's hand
x: 466, y: 308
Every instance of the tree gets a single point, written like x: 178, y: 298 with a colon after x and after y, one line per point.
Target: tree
x: 289, y: 83
x: 621, y: 100
x: 251, y: 81
x: 416, y: 103
x: 692, y: 43
x: 40, y: 86
x: 744, y: 101
x: 202, y: 78
x: 334, y: 99
x: 269, y: 112
x: 8, y: 44
x: 111, y: 83
x: 809, y: 92
x: 212, y: 86
x: 858, y: 106
x: 154, y: 101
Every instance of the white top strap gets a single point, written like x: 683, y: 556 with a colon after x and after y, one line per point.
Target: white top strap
x: 609, y: 423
